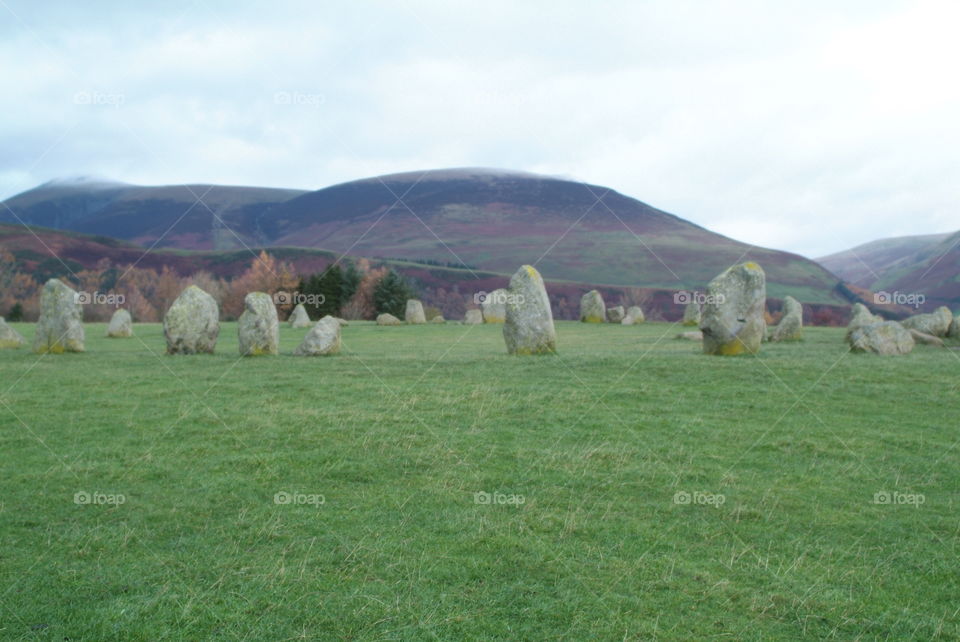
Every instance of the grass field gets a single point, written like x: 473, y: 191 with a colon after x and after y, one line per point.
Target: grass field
x: 665, y: 494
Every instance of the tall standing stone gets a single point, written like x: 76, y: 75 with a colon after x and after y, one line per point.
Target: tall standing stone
x: 592, y: 307
x: 494, y: 306
x: 790, y: 327
x: 9, y: 338
x: 732, y: 320
x: 192, y: 323
x: 529, y: 328
x: 258, y: 329
x: 473, y: 317
x: 60, y: 327
x: 691, y: 314
x: 414, y: 312
x: 322, y: 340
x: 121, y: 325
x: 299, y: 317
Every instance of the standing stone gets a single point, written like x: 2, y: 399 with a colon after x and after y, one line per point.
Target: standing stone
x: 414, y: 312
x: 299, y: 317
x: 473, y: 317
x: 192, y: 323
x: 634, y: 316
x: 616, y: 314
x: 732, y: 319
x: 322, y: 340
x: 886, y: 338
x: 60, y: 327
x: 861, y: 316
x: 529, y: 328
x: 494, y: 306
x: 936, y: 323
x: 592, y: 308
x: 790, y: 327
x: 387, y: 319
x: 9, y: 338
x: 258, y: 328
x: 121, y: 325
x: 438, y: 319
x: 691, y: 314
x: 954, y: 331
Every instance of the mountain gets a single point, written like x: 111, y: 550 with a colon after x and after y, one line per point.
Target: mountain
x: 171, y: 215
x: 866, y: 264
x: 481, y: 219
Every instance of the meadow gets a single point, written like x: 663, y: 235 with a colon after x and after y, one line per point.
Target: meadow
x: 424, y: 485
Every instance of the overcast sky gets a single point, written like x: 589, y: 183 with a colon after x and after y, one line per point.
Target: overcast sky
x: 806, y: 126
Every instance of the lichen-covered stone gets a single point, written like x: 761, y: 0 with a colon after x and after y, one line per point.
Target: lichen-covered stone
x: 886, y: 338
x: 634, y: 316
x: 258, y: 329
x: 861, y: 316
x: 438, y: 319
x: 693, y: 335
x: 732, y: 319
x: 954, y: 331
x: 529, y: 328
x: 192, y: 323
x: 121, y: 325
x: 592, y: 308
x: 9, y: 338
x: 322, y: 340
x: 388, y: 319
x: 494, y: 306
x: 299, y: 317
x: 60, y: 327
x: 616, y: 314
x: 691, y: 314
x: 936, y: 323
x: 473, y: 317
x: 414, y: 312
x: 790, y: 327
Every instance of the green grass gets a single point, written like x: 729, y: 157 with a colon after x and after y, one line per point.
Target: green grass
x: 399, y: 432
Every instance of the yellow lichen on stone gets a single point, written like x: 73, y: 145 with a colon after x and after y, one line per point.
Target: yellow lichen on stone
x: 592, y: 319
x: 751, y: 265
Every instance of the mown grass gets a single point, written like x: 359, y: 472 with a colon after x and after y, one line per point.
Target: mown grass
x: 400, y: 431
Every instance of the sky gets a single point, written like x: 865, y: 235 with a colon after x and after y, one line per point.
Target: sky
x: 810, y: 127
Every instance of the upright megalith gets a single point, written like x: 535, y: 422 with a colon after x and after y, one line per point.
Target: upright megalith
x: 414, y: 312
x: 494, y: 306
x: 936, y: 323
x: 192, y: 323
x: 299, y: 317
x: 592, y: 307
x: 9, y: 338
x: 473, y: 317
x: 616, y: 314
x: 258, y: 329
x: 954, y: 331
x: 322, y: 340
x: 691, y: 314
x: 60, y: 327
x: 790, y: 327
x: 121, y: 325
x: 528, y: 328
x: 634, y: 316
x: 884, y: 338
x: 732, y: 321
